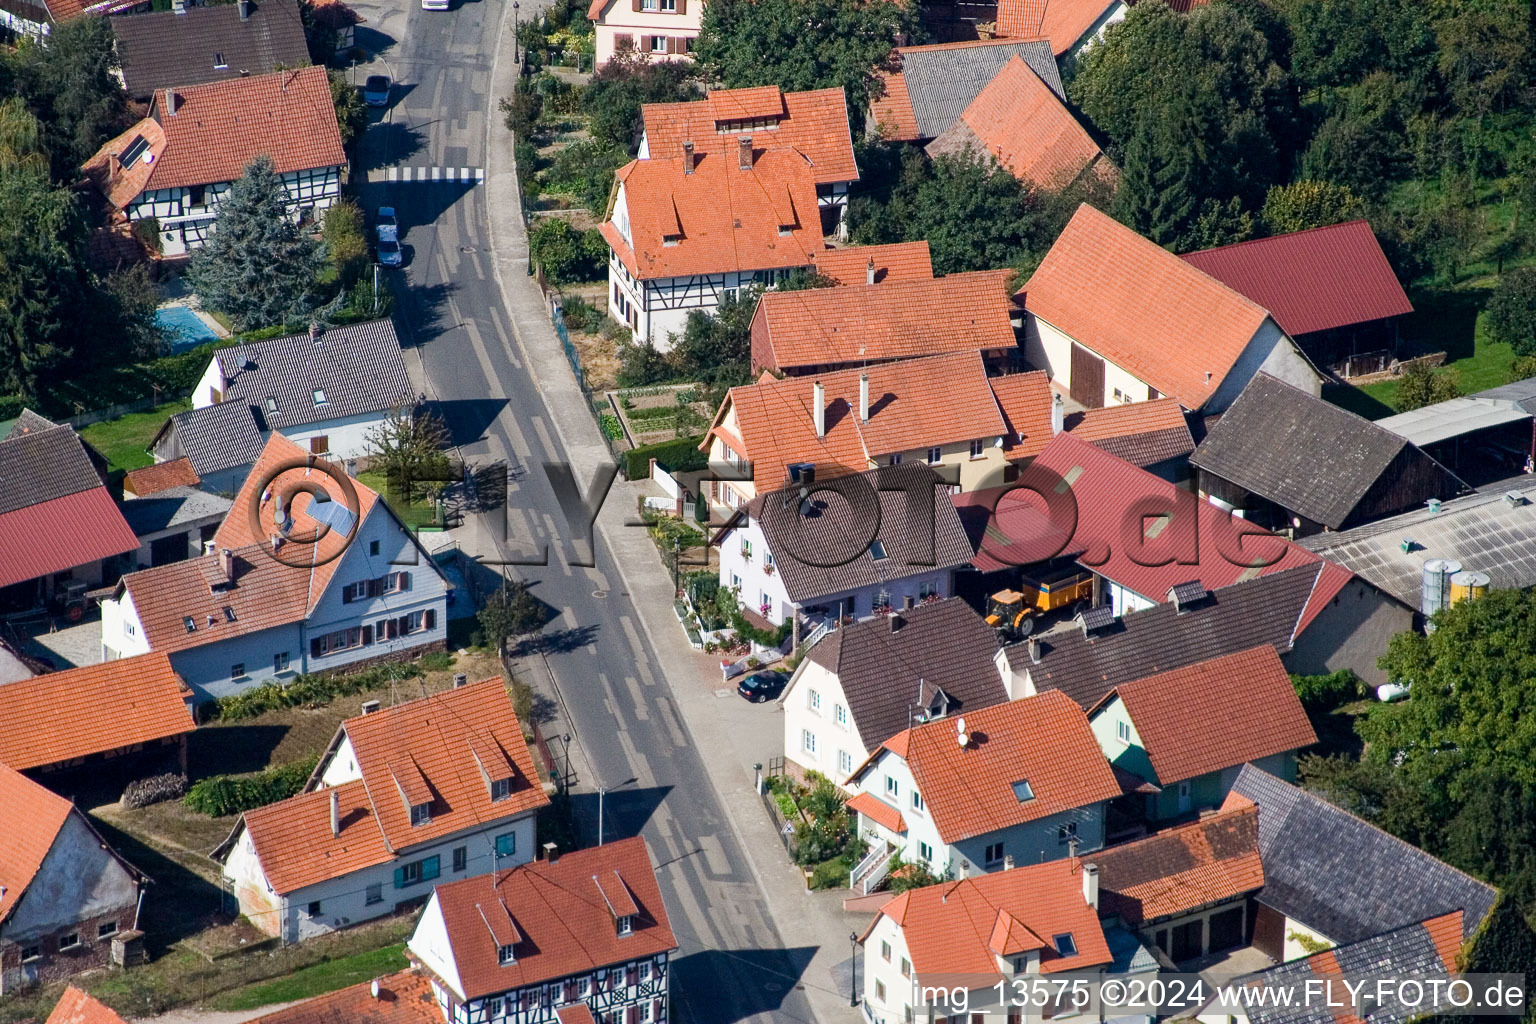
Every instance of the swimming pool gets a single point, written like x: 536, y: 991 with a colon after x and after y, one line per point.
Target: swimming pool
x: 183, y: 328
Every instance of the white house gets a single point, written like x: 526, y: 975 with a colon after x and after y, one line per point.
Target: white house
x: 860, y: 685
x: 172, y: 169
x: 1015, y: 783
x: 269, y: 603
x: 653, y: 29
x: 438, y: 787
x: 578, y: 939
x: 1115, y: 318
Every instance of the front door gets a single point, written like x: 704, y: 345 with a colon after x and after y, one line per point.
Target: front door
x: 1087, y: 378
x: 1184, y: 800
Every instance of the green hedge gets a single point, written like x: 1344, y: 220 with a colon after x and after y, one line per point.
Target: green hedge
x: 232, y: 794
x: 679, y: 456
x: 310, y: 691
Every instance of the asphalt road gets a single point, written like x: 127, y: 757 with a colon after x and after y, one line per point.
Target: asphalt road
x: 732, y: 965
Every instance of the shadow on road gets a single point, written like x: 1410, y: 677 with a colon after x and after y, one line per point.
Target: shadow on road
x: 561, y: 641
x: 467, y: 420
x: 372, y: 40
x: 390, y: 142
x: 722, y: 986
x: 625, y: 811
x: 422, y: 306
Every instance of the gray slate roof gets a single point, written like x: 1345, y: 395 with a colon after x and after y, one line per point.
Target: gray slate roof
x: 1481, y: 531
x: 43, y: 465
x: 882, y: 673
x: 1302, y: 453
x: 358, y: 368
x: 172, y: 507
x: 162, y: 49
x: 29, y: 422
x: 218, y: 437
x: 942, y: 82
x: 1345, y: 878
x: 833, y: 528
x: 1161, y: 639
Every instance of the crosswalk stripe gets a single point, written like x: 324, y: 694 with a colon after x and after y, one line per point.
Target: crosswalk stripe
x: 465, y: 175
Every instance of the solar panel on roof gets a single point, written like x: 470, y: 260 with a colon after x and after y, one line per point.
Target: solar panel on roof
x: 135, y: 150
x: 333, y: 514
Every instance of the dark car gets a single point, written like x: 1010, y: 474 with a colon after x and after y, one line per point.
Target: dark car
x: 761, y: 686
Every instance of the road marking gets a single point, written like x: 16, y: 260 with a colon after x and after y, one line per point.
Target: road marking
x: 460, y: 175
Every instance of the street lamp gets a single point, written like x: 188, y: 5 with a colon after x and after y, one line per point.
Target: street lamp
x: 515, y: 33
x: 853, y: 969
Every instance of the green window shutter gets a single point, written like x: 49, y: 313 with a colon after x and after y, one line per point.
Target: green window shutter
x: 431, y: 867
x: 399, y: 878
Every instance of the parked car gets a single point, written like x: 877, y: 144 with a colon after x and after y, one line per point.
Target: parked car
x: 761, y: 686
x: 389, y: 227
x: 376, y: 91
x: 389, y: 252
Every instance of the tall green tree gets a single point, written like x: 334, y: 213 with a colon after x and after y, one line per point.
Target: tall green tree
x: 1512, y: 311
x: 1308, y: 204
x: 1339, y: 42
x: 70, y: 81
x: 1485, y: 55
x: 258, y: 268
x: 803, y: 44
x: 612, y: 100
x: 351, y: 113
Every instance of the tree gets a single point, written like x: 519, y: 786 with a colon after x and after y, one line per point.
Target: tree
x: 257, y: 268
x: 620, y: 87
x: 1339, y: 42
x: 512, y: 611
x: 1485, y: 55
x: 1420, y: 386
x: 70, y: 81
x: 568, y: 255
x: 351, y: 114
x: 44, y: 285
x: 129, y: 299
x: 1361, y: 143
x: 803, y: 44
x: 1309, y: 204
x: 410, y: 448
x: 1511, y: 316
x: 346, y: 240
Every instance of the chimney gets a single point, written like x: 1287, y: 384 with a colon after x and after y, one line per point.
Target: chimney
x: 897, y: 622
x: 1058, y: 415
x: 687, y: 158
x: 227, y: 564
x: 1034, y: 650
x: 1091, y: 885
x: 277, y: 541
x: 863, y: 398
x: 336, y: 813
x: 114, y: 166
x: 370, y: 706
x: 170, y: 94
x: 1008, y: 862
x: 744, y: 148
x: 179, y: 6
x: 245, y: 10
x: 460, y: 680
x: 908, y: 602
x: 819, y: 411
x: 315, y: 331
x: 869, y: 271
x: 551, y: 852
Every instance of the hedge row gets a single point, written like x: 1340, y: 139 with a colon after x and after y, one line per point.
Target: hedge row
x: 679, y: 456
x: 232, y: 794
x: 309, y: 691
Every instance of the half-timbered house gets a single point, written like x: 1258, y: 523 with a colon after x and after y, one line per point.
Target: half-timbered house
x: 174, y: 167
x: 580, y: 938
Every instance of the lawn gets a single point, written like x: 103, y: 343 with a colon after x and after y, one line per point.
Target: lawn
x: 312, y: 981
x: 413, y: 514
x: 125, y: 440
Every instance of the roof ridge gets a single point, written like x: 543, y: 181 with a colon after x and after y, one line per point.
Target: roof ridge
x: 1284, y: 234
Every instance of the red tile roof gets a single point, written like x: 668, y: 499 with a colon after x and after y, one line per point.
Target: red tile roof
x: 78, y: 1007
x: 1043, y: 740
x: 951, y: 928
x: 815, y: 123
x: 1018, y: 121
x: 30, y: 819
x: 892, y: 320
x: 915, y: 403
x: 1141, y: 307
x: 1110, y: 495
x: 564, y: 923
x: 149, y: 480
x: 61, y: 533
x: 878, y: 811
x: 1026, y: 400
x: 892, y: 113
x: 895, y: 261
x: 296, y: 847
x: 1311, y: 280
x: 575, y: 1013
x: 220, y: 127
x: 1063, y: 22
x: 1215, y: 714
x: 405, y: 997
x: 1207, y: 861
x: 718, y: 219
x: 60, y: 716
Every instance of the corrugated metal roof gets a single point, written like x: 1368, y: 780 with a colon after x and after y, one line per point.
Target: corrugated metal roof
x: 60, y: 534
x: 1453, y: 418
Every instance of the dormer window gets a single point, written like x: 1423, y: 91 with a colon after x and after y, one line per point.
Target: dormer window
x: 500, y: 789
x: 320, y: 398
x: 420, y: 814
x: 626, y: 925
x: 506, y: 954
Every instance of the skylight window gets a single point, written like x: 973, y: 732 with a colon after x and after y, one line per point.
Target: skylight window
x: 320, y: 397
x: 218, y: 61
x: 877, y: 551
x: 1022, y: 791
x: 271, y: 406
x: 1065, y: 944
x: 229, y: 614
x: 190, y: 623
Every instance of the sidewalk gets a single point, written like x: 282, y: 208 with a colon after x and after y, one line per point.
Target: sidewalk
x: 729, y: 734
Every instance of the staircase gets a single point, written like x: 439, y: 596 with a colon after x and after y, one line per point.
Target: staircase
x: 869, y: 874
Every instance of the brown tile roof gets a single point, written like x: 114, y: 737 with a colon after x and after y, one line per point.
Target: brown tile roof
x: 1141, y: 307
x: 30, y: 819
x: 405, y: 997
x: 1215, y: 714
x: 1043, y: 740
x: 815, y: 123
x: 295, y: 845
x: 1026, y: 400
x: 60, y: 716
x: 433, y: 737
x: 894, y: 320
x: 950, y: 928
x: 915, y: 403
x: 1183, y: 868
x: 878, y: 811
x: 565, y: 924
x: 895, y: 261
x: 220, y: 127
x: 1063, y: 22
x: 720, y: 218
x: 159, y: 49
x: 149, y: 479
x: 1018, y: 121
x: 1142, y: 433
x: 78, y: 1007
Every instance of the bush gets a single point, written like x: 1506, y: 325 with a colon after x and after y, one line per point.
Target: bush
x: 1420, y: 386
x: 830, y: 874
x: 521, y: 110
x: 233, y: 794
x: 568, y: 255
x: 578, y: 313
x: 435, y: 661
x: 310, y: 691
x: 680, y: 455
x: 1324, y: 693
x: 1512, y: 311
x: 585, y: 170
x: 346, y: 241
x: 612, y: 428
x: 143, y: 792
